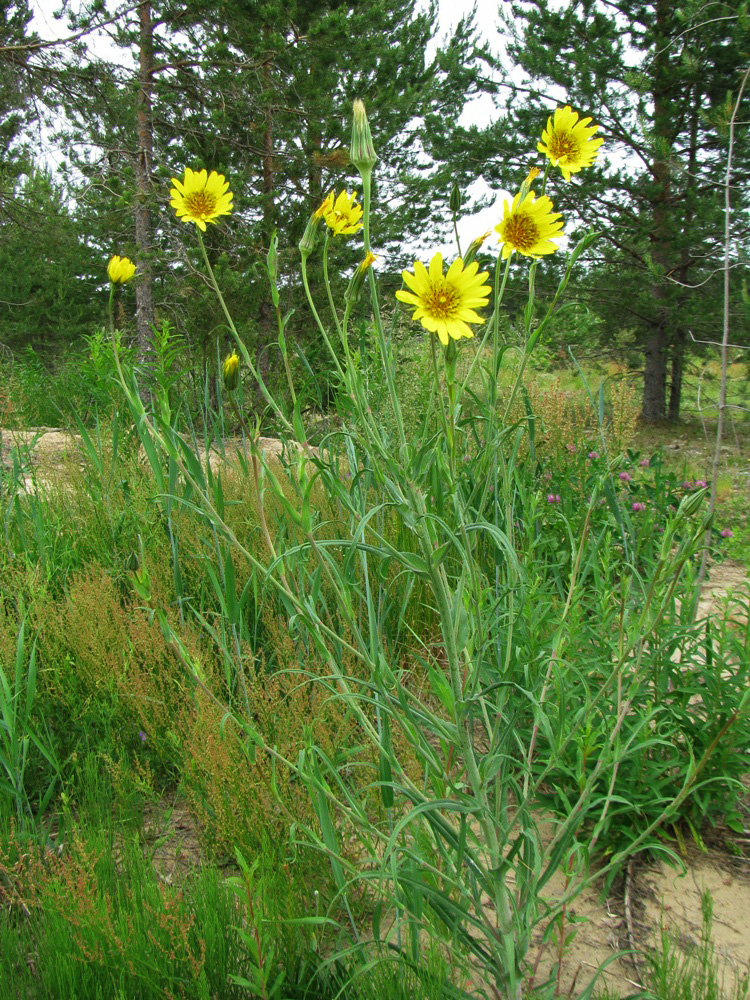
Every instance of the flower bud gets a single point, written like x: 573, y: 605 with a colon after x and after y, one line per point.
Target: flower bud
x: 310, y: 235
x: 362, y: 152
x: 474, y: 247
x: 355, y: 285
x: 455, y: 199
x: 120, y: 270
x: 231, y: 372
x: 691, y: 503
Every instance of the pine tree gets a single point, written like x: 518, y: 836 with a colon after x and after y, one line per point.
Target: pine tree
x: 655, y: 76
x: 262, y: 93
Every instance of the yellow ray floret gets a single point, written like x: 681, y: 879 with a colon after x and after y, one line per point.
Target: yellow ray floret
x: 120, y: 270
x: 325, y: 208
x: 201, y: 197
x: 344, y: 215
x: 568, y: 142
x: 529, y: 226
x: 444, y: 303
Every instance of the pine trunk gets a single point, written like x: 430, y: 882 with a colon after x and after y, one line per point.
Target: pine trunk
x: 675, y: 384
x: 657, y: 346
x: 144, y: 289
x: 264, y: 312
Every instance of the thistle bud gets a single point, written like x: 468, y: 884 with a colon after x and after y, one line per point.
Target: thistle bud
x: 231, y: 372
x: 355, y: 285
x: 362, y: 152
x: 455, y: 199
x: 120, y: 270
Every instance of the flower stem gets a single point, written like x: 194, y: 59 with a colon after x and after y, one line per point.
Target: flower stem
x: 331, y: 303
x: 384, y: 350
x: 240, y: 343
x: 329, y: 345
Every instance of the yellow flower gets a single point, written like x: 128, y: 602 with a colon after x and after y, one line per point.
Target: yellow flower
x: 325, y: 208
x: 231, y: 371
x: 344, y: 216
x: 568, y: 142
x: 529, y: 225
x: 445, y: 304
x: 201, y: 197
x: 120, y: 270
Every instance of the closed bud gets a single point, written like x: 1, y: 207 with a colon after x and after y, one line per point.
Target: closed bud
x: 691, y: 503
x: 120, y: 270
x: 362, y: 152
x: 309, y: 237
x: 132, y: 563
x: 231, y: 372
x: 455, y: 199
x: 355, y: 285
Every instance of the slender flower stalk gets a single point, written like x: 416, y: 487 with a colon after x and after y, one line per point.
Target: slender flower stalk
x: 238, y: 340
x: 365, y: 160
x: 319, y: 322
x: 327, y: 283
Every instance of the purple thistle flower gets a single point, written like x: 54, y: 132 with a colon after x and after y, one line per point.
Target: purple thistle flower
x: 645, y: 463
x: 638, y: 506
x: 593, y: 455
x: 554, y: 498
x: 626, y: 477
x: 687, y: 485
x: 727, y: 533
x: 700, y: 484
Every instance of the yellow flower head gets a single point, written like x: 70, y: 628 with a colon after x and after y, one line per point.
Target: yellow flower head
x: 344, y: 216
x: 200, y: 197
x: 445, y: 303
x: 568, y: 142
x: 231, y: 371
x: 529, y: 225
x: 120, y: 270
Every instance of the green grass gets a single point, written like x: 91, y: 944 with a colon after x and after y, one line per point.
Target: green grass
x: 129, y: 727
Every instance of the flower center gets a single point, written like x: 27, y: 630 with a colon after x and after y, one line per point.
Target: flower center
x: 442, y: 300
x: 521, y: 232
x: 200, y: 204
x: 564, y: 147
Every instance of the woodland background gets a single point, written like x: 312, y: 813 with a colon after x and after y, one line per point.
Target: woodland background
x: 261, y: 92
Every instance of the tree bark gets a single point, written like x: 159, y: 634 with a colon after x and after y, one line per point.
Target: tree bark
x: 264, y: 311
x: 657, y: 346
x: 655, y: 376
x: 144, y: 289
x: 679, y: 341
